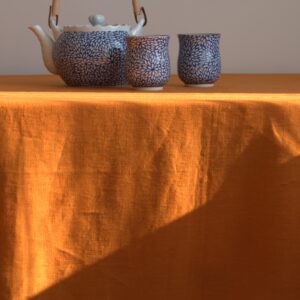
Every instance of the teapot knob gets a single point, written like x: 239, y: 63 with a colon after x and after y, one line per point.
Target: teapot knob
x: 97, y: 20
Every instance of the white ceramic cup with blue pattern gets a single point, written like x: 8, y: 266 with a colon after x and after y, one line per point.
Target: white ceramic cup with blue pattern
x: 199, y: 62
x: 148, y: 62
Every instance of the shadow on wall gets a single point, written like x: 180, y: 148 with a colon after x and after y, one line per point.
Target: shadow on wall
x: 244, y: 244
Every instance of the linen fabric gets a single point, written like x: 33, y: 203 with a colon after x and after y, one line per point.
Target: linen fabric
x: 184, y: 194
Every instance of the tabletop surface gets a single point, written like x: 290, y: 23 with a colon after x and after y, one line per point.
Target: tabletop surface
x: 233, y: 87
x: 117, y: 194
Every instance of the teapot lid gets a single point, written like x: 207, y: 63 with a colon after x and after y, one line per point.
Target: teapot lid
x: 97, y: 28
x: 97, y: 23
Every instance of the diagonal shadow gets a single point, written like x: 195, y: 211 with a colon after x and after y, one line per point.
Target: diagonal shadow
x: 244, y: 244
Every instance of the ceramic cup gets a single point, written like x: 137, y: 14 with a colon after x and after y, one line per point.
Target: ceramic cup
x: 199, y: 63
x: 148, y: 62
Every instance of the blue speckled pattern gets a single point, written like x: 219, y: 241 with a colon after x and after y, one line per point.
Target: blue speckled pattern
x: 148, y: 62
x: 199, y: 58
x: 91, y: 58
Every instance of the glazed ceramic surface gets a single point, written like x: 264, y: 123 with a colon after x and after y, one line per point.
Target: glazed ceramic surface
x: 199, y: 60
x: 148, y: 62
x: 91, y: 58
x: 88, y: 55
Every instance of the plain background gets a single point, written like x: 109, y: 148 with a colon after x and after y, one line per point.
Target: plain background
x: 258, y: 36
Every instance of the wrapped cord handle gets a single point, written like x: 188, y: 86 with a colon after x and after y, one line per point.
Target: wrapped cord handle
x: 137, y: 8
x: 53, y: 12
x: 138, y: 11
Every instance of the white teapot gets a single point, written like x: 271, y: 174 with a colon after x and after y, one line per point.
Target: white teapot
x: 88, y: 55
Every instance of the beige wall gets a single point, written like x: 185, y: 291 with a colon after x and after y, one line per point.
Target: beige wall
x: 258, y: 35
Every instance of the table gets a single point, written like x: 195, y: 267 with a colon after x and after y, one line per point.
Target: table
x: 182, y: 194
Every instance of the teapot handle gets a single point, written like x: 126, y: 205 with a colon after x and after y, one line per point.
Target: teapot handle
x: 53, y: 13
x: 137, y: 8
x: 139, y: 11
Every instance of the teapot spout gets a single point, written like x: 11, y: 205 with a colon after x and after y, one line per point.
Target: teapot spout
x: 47, y: 44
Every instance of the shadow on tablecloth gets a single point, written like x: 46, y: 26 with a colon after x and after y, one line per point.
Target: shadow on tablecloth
x: 244, y: 244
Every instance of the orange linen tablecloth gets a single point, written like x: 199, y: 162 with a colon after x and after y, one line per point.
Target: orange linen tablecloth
x: 184, y: 194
